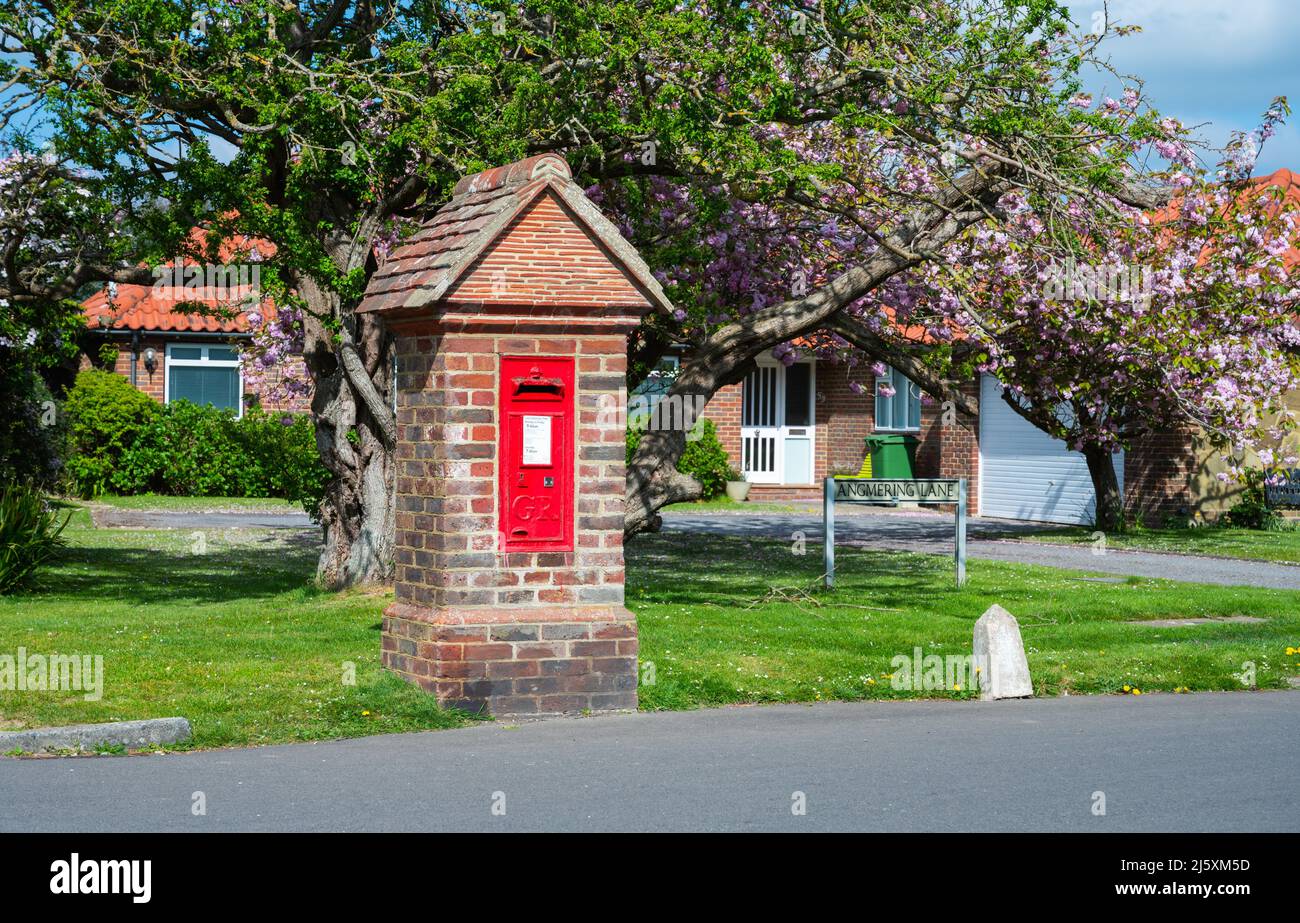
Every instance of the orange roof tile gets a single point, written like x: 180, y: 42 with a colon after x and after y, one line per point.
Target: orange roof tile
x: 140, y: 307
x: 1289, y: 182
x: 154, y: 307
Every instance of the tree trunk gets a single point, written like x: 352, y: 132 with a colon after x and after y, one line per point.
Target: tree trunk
x: 357, y: 515
x: 355, y: 435
x: 1110, y: 503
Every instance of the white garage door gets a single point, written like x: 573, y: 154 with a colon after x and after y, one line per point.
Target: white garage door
x: 1025, y: 473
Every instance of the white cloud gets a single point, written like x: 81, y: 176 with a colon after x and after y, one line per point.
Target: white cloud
x: 1209, y: 60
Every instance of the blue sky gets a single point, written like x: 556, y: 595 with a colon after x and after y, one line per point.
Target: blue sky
x: 1210, y: 61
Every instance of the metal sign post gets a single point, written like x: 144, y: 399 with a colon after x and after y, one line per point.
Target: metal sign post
x: 959, y: 540
x: 828, y: 530
x: 882, y: 491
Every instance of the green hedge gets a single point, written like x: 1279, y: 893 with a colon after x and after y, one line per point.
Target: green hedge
x: 704, y: 458
x: 184, y: 449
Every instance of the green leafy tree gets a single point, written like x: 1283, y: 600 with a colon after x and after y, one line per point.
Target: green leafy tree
x: 326, y: 127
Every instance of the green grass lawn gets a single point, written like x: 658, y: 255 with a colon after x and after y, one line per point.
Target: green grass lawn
x: 1216, y: 541
x: 732, y: 620
x: 201, y: 504
x: 237, y: 639
x: 234, y: 638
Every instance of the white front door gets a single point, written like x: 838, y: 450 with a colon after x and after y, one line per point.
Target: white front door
x: 777, y: 424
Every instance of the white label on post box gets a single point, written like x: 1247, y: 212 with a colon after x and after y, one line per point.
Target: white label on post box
x: 537, y: 440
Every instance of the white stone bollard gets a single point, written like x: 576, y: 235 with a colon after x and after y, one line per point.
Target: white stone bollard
x: 1000, y: 655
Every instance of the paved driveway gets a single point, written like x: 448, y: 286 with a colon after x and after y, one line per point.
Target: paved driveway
x: 106, y: 517
x: 1205, y: 762
x: 991, y: 539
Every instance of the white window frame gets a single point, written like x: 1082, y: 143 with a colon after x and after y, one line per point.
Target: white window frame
x: 203, y: 362
x: 891, y: 377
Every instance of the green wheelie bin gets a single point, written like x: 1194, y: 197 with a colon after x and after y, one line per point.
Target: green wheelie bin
x: 893, y: 455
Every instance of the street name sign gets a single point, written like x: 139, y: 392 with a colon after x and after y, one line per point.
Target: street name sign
x: 876, y: 491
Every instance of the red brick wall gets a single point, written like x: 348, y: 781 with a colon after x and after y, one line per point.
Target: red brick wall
x: 518, y: 632
x: 724, y: 410
x: 272, y: 397
x: 844, y: 419
x: 553, y: 259
x: 1158, y: 472
x: 152, y: 385
x: 957, y: 447
x: 447, y: 511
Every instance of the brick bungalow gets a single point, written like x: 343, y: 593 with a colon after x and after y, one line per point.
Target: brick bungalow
x: 145, y: 334
x: 787, y: 428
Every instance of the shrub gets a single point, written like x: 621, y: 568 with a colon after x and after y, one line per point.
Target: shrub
x: 192, y: 450
x: 30, y: 534
x: 32, y: 432
x: 1253, y: 511
x: 282, y: 447
x: 125, y: 442
x: 105, y: 415
x: 704, y: 458
x: 186, y: 449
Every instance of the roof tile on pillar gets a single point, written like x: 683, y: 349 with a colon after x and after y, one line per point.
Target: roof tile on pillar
x: 513, y: 242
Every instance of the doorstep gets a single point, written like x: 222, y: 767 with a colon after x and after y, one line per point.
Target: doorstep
x: 785, y: 491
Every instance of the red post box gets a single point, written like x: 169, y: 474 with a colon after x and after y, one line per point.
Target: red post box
x: 536, y: 461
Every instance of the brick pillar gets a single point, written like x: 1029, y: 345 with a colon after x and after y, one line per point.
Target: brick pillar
x: 1159, y: 470
x: 959, y: 450
x: 518, y: 264
x: 510, y: 633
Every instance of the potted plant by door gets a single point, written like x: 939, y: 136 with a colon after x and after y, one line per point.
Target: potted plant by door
x: 737, y: 486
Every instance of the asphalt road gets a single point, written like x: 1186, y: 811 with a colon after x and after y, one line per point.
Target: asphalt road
x: 1204, y: 762
x: 990, y: 539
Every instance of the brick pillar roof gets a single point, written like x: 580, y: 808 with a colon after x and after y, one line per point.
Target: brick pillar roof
x: 522, y: 218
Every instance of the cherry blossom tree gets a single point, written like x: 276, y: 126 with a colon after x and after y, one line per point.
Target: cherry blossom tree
x: 1185, y: 317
